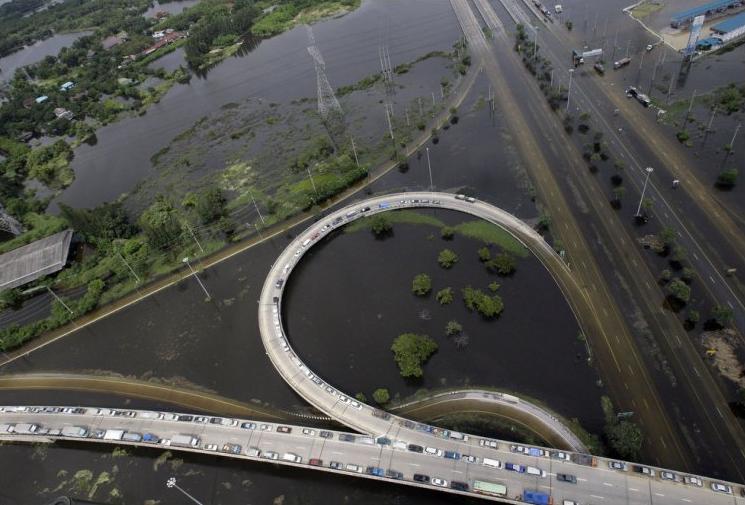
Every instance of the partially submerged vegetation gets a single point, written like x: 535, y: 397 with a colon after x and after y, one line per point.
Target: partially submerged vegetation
x: 411, y: 351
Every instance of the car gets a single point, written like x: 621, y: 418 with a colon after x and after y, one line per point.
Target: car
x: 383, y: 441
x: 560, y: 455
x: 487, y: 443
x: 284, y: 429
x: 470, y: 199
x: 721, y: 488
x: 398, y: 444
x: 336, y: 465
x: 210, y: 447
x: 248, y: 426
x: 565, y: 477
x: 356, y: 404
x: 231, y: 448
x: 375, y: 470
x: 270, y: 455
x: 150, y: 438
x: 346, y: 437
x: 460, y: 197
x: 469, y: 458
x: 326, y: 434
x: 666, y: 475
x: 693, y: 481
x: 366, y: 440
x: 433, y: 451
x: 458, y: 486
x: 513, y: 467
x: 279, y: 283
x: 185, y: 418
x: 97, y: 434
x: 520, y: 449
x: 330, y: 390
x: 201, y: 419
x: 617, y: 465
x: 451, y: 455
x: 420, y: 477
x: 315, y: 462
x: 353, y: 468
x: 292, y: 457
x: 415, y: 448
x: 343, y: 399
x: 125, y: 413
x: 265, y: 427
x: 644, y: 470
x: 436, y: 481
x: 309, y: 432
x: 253, y: 452
x: 394, y: 474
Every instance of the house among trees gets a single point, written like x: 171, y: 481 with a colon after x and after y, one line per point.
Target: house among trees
x: 62, y: 113
x: 67, y: 86
x: 35, y: 260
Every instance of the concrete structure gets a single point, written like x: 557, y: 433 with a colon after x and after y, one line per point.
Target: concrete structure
x: 597, y: 484
x: 67, y: 86
x: 34, y: 260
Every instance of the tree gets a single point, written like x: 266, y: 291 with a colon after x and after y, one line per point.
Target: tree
x: 693, y: 316
x: 687, y: 274
x: 447, y: 258
x: 161, y: 223
x: 727, y: 178
x: 453, y: 328
x: 666, y: 275
x: 380, y: 225
x: 11, y: 299
x: 618, y: 193
x: 411, y: 351
x: 210, y: 204
x: 667, y: 236
x: 381, y: 396
x: 484, y: 254
x: 679, y: 290
x: 625, y: 437
x: 487, y: 306
x: 361, y: 397
x: 108, y: 221
x: 445, y: 296
x: 494, y: 287
x: 421, y: 285
x: 722, y: 315
x: 502, y: 263
x: 447, y: 232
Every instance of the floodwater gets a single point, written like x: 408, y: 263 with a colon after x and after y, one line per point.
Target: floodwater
x: 349, y: 343
x: 175, y: 7
x: 36, y: 52
x: 279, y: 69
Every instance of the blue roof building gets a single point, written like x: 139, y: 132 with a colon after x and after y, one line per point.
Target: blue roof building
x: 685, y: 17
x: 67, y: 85
x: 730, y: 24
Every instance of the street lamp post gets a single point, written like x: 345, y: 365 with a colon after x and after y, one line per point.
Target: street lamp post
x: 649, y: 171
x: 569, y: 91
x: 429, y: 168
x: 171, y: 483
x: 59, y: 299
x: 194, y: 273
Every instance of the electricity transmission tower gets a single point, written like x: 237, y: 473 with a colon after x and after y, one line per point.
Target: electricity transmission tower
x: 8, y: 223
x: 328, y: 105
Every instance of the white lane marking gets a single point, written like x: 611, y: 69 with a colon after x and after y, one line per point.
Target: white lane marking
x: 660, y: 494
x: 686, y: 500
x: 730, y: 304
x: 607, y: 484
x: 414, y: 464
x: 633, y: 489
x: 581, y: 480
x: 454, y: 471
x: 596, y: 496
x: 544, y: 486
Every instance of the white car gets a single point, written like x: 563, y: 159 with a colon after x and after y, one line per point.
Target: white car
x: 433, y: 451
x: 400, y: 445
x: 560, y: 455
x: 354, y: 468
x: 470, y: 459
x: 436, y: 481
x: 265, y: 427
x: 488, y: 443
x: 270, y: 455
x: 721, y: 488
x: 210, y: 447
x: 309, y: 432
x: 693, y: 481
x: 665, y: 475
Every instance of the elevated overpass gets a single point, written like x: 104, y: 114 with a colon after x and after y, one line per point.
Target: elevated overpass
x: 390, y: 448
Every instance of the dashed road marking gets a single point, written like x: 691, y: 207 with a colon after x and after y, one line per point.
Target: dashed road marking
x: 607, y: 484
x: 633, y: 489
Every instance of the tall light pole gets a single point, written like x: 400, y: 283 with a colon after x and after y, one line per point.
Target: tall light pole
x: 311, y: 181
x: 171, y: 483
x: 649, y: 171
x: 734, y: 136
x: 59, y: 299
x: 569, y: 90
x: 129, y: 267
x: 429, y: 167
x: 194, y: 273
x: 257, y: 209
x: 535, y: 42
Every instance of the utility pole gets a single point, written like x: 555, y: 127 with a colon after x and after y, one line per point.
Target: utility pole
x: 639, y: 72
x: 734, y: 136
x: 711, y: 119
x: 535, y: 42
x: 615, y: 43
x: 649, y: 171
x: 429, y: 167
x: 690, y: 106
x: 569, y: 91
x: 311, y: 181
x: 628, y: 45
x: 257, y: 209
x: 406, y: 113
x: 354, y: 150
x: 421, y: 111
x: 171, y: 483
x: 194, y: 237
x: 129, y: 267
x: 390, y: 126
x: 59, y: 300
x: 194, y: 273
x: 552, y: 79
x: 669, y: 90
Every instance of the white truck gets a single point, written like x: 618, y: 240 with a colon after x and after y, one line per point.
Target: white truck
x: 150, y: 415
x: 185, y: 441
x: 113, y: 434
x: 74, y: 431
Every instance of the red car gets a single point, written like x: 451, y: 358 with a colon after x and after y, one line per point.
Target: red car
x: 315, y: 462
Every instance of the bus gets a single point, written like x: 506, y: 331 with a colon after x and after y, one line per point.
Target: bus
x: 489, y: 488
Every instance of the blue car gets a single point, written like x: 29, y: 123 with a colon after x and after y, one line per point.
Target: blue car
x: 149, y: 437
x: 514, y: 468
x: 451, y: 455
x: 376, y: 470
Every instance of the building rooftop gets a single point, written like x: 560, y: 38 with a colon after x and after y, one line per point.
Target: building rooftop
x: 32, y: 261
x: 730, y: 24
x: 702, y: 9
